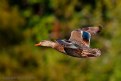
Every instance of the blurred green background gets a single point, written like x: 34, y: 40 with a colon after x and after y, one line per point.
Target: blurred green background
x: 26, y: 22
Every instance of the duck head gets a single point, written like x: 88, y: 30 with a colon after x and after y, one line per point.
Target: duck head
x: 46, y: 43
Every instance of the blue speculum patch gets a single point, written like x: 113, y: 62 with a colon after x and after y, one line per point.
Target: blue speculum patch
x: 86, y: 36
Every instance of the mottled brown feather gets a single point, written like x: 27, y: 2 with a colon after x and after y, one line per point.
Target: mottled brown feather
x: 76, y: 37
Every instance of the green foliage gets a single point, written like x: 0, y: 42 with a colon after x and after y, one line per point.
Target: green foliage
x: 26, y: 22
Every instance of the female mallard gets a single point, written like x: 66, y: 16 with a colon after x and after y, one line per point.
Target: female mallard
x: 78, y: 44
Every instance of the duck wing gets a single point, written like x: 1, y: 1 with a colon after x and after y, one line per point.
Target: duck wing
x: 80, y: 38
x: 92, y: 30
x: 66, y: 44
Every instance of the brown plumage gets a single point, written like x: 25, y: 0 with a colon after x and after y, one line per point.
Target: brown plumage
x: 78, y: 44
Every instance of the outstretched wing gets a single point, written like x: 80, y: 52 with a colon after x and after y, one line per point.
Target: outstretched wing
x: 80, y: 38
x: 92, y: 30
x: 66, y: 44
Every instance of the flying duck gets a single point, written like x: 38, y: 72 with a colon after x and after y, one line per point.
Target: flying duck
x: 78, y: 44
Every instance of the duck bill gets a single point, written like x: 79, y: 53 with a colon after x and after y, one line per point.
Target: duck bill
x: 38, y: 44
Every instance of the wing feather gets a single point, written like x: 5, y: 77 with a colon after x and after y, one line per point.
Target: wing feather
x: 81, y: 37
x: 92, y: 30
x: 67, y: 44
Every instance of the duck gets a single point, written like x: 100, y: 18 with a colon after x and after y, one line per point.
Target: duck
x: 78, y: 45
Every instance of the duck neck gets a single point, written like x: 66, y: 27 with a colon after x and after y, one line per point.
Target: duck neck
x: 48, y: 44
